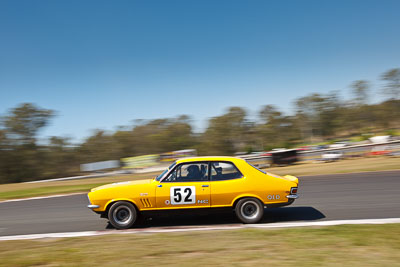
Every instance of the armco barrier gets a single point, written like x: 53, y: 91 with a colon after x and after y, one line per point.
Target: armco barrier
x: 344, y: 150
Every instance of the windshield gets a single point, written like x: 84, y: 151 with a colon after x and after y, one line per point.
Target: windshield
x: 158, y: 178
x: 256, y: 167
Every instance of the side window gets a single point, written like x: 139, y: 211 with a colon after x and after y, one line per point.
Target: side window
x: 189, y: 172
x: 224, y: 171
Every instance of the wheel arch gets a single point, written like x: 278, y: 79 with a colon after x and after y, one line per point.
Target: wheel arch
x: 112, y: 201
x: 236, y: 200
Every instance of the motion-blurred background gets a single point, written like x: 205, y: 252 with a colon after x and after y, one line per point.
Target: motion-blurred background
x: 98, y: 86
x: 95, y: 92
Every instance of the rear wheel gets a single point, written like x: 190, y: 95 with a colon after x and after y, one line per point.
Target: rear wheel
x: 122, y: 215
x: 249, y: 210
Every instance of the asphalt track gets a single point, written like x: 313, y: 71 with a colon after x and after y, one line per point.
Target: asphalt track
x: 371, y: 195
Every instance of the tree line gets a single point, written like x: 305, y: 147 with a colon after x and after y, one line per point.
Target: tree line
x: 317, y: 118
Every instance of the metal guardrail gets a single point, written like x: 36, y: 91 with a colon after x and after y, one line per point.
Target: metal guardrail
x: 345, y: 149
x: 350, y: 147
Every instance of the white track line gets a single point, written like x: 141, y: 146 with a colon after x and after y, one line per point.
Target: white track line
x: 205, y: 228
x: 35, y: 198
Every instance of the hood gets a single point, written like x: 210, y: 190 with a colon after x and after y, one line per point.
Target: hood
x: 120, y: 184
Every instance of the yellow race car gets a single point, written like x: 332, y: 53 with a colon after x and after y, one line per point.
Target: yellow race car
x: 193, y: 183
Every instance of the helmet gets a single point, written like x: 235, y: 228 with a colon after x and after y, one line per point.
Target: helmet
x: 193, y: 169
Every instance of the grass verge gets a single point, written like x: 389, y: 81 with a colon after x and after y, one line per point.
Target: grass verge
x: 21, y: 190
x: 42, y: 191
x: 345, y: 245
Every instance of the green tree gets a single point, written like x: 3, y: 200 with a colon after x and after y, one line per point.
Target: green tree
x: 178, y: 134
x: 360, y: 90
x: 61, y: 158
x: 318, y: 116
x: 308, y: 113
x: 392, y: 79
x: 275, y: 129
x: 24, y: 159
x: 124, y: 143
x: 98, y: 147
x: 226, y: 134
x: 23, y: 122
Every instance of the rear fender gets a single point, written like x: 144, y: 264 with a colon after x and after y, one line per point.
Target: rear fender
x: 292, y: 178
x: 244, y: 196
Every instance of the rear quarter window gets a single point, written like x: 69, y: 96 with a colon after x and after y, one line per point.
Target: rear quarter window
x: 221, y: 171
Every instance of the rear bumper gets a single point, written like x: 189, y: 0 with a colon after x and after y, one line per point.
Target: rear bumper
x: 289, y: 202
x: 293, y: 196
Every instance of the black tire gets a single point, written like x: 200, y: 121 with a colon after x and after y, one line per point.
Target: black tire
x: 249, y: 210
x: 122, y: 215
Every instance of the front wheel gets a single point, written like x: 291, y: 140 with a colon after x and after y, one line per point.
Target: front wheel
x: 122, y: 215
x: 249, y: 210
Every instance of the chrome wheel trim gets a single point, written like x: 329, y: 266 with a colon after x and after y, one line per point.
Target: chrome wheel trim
x: 250, y: 210
x: 122, y: 215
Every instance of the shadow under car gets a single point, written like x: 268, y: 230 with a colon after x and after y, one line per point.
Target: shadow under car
x: 223, y: 216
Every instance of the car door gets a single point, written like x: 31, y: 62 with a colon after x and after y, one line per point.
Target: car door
x: 187, y: 186
x: 226, y: 182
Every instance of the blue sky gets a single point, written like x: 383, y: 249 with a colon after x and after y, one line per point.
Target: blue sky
x: 101, y: 64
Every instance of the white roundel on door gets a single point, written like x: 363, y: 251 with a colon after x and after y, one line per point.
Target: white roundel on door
x: 180, y: 195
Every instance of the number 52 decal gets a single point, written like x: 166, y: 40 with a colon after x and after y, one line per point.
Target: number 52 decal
x: 183, y: 195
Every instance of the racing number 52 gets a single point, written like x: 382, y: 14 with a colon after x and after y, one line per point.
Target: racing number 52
x: 178, y: 195
x: 183, y: 195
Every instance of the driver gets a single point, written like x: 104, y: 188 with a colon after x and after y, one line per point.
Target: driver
x: 193, y: 172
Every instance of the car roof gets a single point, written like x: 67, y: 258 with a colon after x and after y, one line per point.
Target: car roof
x: 209, y: 158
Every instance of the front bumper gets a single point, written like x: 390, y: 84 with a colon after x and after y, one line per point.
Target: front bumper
x: 90, y: 206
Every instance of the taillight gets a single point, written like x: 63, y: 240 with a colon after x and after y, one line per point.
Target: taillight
x: 293, y: 191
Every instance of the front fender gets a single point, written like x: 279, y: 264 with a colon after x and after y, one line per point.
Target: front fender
x: 107, y: 205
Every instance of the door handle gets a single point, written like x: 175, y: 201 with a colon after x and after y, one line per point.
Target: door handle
x: 204, y: 185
